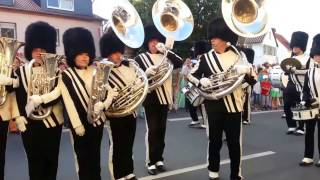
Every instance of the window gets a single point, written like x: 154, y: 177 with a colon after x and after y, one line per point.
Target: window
x: 61, y: 4
x: 8, y: 30
x: 268, y: 50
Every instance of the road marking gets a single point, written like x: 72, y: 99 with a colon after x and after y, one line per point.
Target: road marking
x: 189, y: 118
x: 200, y: 117
x: 203, y: 166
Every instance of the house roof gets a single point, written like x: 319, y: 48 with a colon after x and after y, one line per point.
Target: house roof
x: 258, y: 39
x: 32, y: 7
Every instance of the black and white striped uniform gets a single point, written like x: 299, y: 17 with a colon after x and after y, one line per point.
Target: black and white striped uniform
x: 41, y: 140
x: 8, y: 111
x: 311, y: 90
x: 292, y: 93
x: 223, y: 114
x: 122, y: 129
x: 297, y: 79
x: 156, y: 106
x: 75, y: 85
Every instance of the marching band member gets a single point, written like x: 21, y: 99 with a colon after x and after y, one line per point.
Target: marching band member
x: 292, y: 93
x: 8, y: 111
x: 246, y: 115
x: 200, y: 48
x: 121, y: 129
x: 75, y: 88
x: 157, y: 101
x: 311, y: 90
x: 223, y: 114
x: 41, y: 138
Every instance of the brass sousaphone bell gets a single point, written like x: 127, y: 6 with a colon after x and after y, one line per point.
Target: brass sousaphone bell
x: 174, y: 20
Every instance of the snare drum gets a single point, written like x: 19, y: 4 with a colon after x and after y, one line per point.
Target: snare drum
x: 305, y: 114
x: 193, y: 95
x: 278, y: 78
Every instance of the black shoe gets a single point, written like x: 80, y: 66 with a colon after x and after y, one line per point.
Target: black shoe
x: 283, y: 116
x: 152, y: 170
x: 133, y: 178
x: 290, y: 132
x: 317, y: 164
x: 299, y: 132
x: 214, y: 178
x: 305, y: 164
x: 161, y: 168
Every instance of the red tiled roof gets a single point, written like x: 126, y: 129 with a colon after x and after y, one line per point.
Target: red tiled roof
x: 30, y: 6
x: 255, y: 40
x: 27, y: 5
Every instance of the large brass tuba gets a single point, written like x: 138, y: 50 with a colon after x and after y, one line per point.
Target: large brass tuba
x: 41, y: 80
x: 98, y: 88
x: 174, y: 20
x: 8, y: 51
x: 127, y: 25
x: 248, y: 19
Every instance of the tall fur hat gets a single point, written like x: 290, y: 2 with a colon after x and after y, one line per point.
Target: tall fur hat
x: 315, y: 49
x: 76, y: 41
x: 151, y: 32
x: 110, y: 43
x: 218, y: 29
x: 299, y: 39
x: 40, y: 35
x: 249, y: 54
x: 201, y: 47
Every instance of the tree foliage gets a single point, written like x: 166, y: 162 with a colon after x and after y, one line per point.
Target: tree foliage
x: 202, y: 10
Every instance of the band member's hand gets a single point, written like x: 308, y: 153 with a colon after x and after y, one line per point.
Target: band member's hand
x: 291, y: 68
x: 80, y: 130
x: 5, y: 81
x: 151, y: 71
x: 243, y: 69
x: 33, y: 102
x: 205, y: 82
x: 36, y: 100
x: 98, y: 107
x: 21, y: 123
x: 161, y: 47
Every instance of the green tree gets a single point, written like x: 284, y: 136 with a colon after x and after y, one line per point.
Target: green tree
x: 202, y: 10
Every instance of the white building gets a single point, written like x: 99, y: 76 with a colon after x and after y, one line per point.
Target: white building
x: 265, y: 48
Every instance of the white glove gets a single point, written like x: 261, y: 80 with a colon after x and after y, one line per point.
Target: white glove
x: 243, y: 69
x: 98, y: 107
x: 21, y: 123
x: 291, y: 68
x: 205, y: 82
x: 151, y: 71
x: 80, y: 130
x: 161, y: 47
x: 5, y: 81
x: 34, y: 101
x: 112, y: 93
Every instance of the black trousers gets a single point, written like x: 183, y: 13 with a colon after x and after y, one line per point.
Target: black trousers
x: 122, y: 132
x: 3, y: 144
x: 309, y: 138
x: 291, y: 97
x: 87, y: 149
x: 192, y: 110
x: 156, y: 117
x: 42, y: 148
x: 230, y: 123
